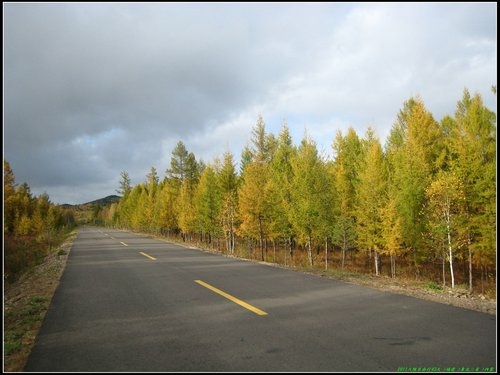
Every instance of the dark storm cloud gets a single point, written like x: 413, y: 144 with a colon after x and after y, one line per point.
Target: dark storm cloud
x: 152, y: 71
x: 91, y: 89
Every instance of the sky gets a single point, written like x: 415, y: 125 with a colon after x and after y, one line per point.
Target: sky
x: 93, y: 89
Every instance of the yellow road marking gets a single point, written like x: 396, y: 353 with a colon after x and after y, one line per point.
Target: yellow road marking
x: 112, y: 238
x: 231, y: 298
x: 123, y: 243
x: 146, y: 255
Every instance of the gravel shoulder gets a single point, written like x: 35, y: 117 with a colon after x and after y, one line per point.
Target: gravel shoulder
x: 27, y: 300
x: 458, y: 296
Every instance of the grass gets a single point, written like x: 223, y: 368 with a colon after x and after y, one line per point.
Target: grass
x: 431, y: 285
x: 21, y: 320
x: 61, y: 252
x: 12, y: 342
x: 26, y: 302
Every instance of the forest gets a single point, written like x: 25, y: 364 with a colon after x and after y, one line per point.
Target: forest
x: 423, y: 205
x: 32, y: 226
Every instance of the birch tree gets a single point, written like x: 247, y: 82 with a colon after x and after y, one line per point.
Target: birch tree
x: 446, y: 198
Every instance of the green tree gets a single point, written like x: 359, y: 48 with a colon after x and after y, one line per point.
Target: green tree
x: 253, y: 204
x: 178, y: 163
x: 254, y: 209
x: 246, y: 158
x: 9, y: 190
x: 279, y: 188
x: 125, y: 187
x: 309, y: 188
x: 263, y: 144
x: 228, y: 186
x: 474, y: 162
x: 371, y: 199
x: 150, y: 217
x: 167, y: 206
x: 345, y: 171
x: 208, y: 204
x: 414, y: 147
x: 392, y: 234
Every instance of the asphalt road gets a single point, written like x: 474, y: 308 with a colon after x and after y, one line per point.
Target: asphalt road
x: 132, y: 303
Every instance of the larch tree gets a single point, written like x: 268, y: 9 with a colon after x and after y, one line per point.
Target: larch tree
x: 246, y: 158
x: 392, y: 234
x: 415, y: 141
x: 24, y: 206
x: 186, y: 207
x: 371, y: 199
x: 149, y: 220
x: 474, y: 161
x: 228, y: 186
x: 125, y: 184
x: 253, y: 204
x: 167, y: 208
x: 178, y: 162
x: 345, y: 170
x: 254, y: 208
x: 9, y: 191
x: 308, y: 192
x: 134, y: 206
x: 208, y: 205
x: 278, y: 189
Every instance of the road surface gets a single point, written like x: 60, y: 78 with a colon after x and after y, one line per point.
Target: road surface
x: 132, y: 303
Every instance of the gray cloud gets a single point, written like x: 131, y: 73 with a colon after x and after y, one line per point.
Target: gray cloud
x: 93, y: 89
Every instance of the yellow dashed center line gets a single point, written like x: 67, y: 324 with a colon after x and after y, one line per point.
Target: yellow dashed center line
x: 148, y: 256
x: 231, y: 298
x: 123, y: 243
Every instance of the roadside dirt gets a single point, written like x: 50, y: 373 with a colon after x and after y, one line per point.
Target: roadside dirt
x: 458, y: 296
x: 25, y: 303
x: 27, y: 300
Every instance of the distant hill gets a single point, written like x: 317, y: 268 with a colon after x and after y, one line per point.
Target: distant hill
x: 104, y: 201
x: 99, y: 202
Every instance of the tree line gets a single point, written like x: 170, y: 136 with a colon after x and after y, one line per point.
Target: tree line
x: 425, y: 202
x: 32, y: 225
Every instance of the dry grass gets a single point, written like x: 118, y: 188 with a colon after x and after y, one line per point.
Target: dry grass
x: 25, y: 303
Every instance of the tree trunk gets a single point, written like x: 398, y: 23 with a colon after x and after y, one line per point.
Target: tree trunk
x: 261, y: 239
x: 375, y: 258
x: 482, y: 282
x: 343, y: 253
x: 309, y: 250
x: 286, y: 248
x: 450, y: 252
x: 231, y: 231
x: 393, y: 265
x: 326, y: 254
x: 470, y: 269
x: 444, y: 267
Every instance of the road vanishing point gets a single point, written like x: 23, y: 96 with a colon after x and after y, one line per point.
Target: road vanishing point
x: 131, y: 303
